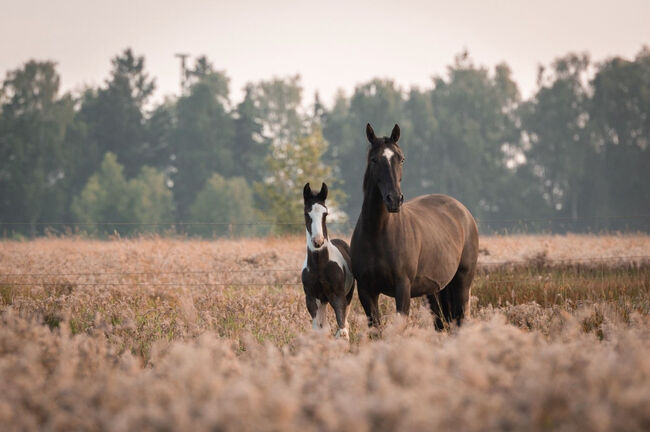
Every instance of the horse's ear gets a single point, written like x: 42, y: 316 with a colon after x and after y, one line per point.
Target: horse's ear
x: 370, y: 133
x: 394, y: 135
x: 322, y: 195
x: 306, y: 191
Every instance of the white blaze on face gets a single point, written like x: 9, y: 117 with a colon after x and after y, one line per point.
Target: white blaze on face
x: 388, y: 154
x: 317, y: 235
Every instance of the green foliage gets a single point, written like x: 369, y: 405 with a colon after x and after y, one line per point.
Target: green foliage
x: 116, y: 203
x: 103, y: 198
x: 576, y: 150
x: 252, y: 145
x: 115, y: 114
x: 620, y: 119
x: 202, y: 140
x: 290, y: 166
x: 465, y: 156
x: 278, y: 104
x: 36, y: 162
x: 227, y: 204
x: 149, y: 201
x: 556, y: 123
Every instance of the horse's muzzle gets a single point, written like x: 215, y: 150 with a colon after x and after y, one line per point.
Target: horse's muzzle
x: 318, y: 241
x: 393, y: 204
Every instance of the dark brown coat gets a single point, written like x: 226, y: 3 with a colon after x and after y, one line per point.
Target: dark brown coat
x: 426, y: 246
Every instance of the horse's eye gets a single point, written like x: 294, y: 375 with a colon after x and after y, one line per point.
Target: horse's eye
x: 374, y: 159
x: 402, y: 161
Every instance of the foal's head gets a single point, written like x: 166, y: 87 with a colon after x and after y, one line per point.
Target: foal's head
x: 384, y: 168
x: 315, y: 215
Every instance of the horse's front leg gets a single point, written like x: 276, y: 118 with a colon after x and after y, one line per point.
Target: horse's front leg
x: 320, y: 322
x: 318, y: 312
x: 403, y: 296
x: 370, y: 301
x: 312, y: 307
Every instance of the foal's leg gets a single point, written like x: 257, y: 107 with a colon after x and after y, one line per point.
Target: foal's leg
x: 312, y: 306
x: 319, y: 316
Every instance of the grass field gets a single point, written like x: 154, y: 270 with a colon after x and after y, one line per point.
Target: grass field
x: 171, y: 334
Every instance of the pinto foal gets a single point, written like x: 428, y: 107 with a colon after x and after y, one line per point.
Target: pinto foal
x: 326, y: 273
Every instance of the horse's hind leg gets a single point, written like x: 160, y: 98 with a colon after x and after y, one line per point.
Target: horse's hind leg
x: 458, y: 291
x: 439, y: 305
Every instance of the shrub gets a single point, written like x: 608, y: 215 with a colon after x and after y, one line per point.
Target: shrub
x: 108, y: 200
x: 225, y: 205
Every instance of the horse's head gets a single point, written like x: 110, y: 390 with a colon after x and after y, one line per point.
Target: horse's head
x: 315, y: 215
x: 385, y: 159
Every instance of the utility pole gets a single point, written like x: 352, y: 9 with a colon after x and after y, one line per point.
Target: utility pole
x: 183, y: 57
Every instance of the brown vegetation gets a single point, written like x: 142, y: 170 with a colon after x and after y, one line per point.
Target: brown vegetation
x: 160, y: 334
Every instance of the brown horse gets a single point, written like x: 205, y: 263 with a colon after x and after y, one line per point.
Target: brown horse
x: 427, y: 246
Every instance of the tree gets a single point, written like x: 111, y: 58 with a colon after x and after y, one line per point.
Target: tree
x: 116, y: 116
x: 103, y: 199
x: 466, y: 153
x: 620, y: 121
x: 226, y: 206
x: 290, y: 166
x: 251, y: 147
x: 202, y: 139
x: 35, y: 162
x: 423, y: 125
x: 157, y: 149
x: 556, y: 121
x: 150, y: 201
x: 278, y: 104
x: 109, y: 203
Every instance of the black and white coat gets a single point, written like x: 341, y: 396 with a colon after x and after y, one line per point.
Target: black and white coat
x: 326, y: 273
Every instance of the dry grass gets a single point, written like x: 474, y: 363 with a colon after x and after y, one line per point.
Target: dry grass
x: 159, y: 334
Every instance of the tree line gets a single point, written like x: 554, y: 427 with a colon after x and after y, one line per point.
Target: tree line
x: 573, y: 156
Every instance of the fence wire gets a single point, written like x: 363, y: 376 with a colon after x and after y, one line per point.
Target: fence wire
x: 271, y: 223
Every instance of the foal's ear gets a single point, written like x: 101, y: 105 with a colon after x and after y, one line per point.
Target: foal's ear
x: 322, y: 195
x: 306, y: 191
x: 394, y: 135
x: 370, y: 133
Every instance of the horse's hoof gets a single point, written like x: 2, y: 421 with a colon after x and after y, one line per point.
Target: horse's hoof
x: 343, y: 334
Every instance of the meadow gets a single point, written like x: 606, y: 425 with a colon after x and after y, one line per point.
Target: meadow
x: 181, y: 334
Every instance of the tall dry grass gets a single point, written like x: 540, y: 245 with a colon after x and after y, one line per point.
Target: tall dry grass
x: 159, y: 334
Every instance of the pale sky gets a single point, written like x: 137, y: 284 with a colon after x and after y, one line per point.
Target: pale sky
x: 331, y: 44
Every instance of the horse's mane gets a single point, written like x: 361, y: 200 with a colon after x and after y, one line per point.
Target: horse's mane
x: 366, y: 181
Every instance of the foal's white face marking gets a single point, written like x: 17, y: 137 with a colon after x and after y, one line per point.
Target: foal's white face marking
x: 388, y: 154
x: 316, y: 216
